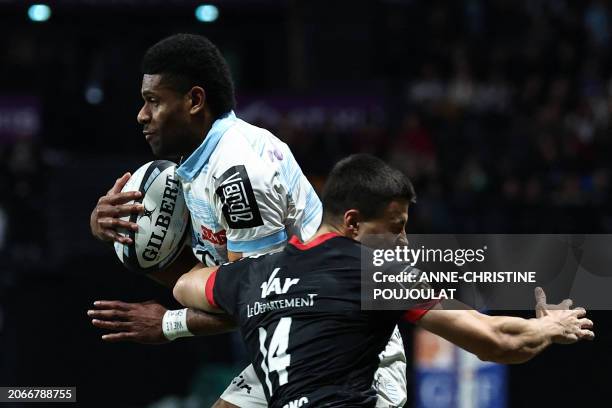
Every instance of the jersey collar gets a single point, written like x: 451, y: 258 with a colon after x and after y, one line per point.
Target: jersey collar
x: 194, y: 163
x: 295, y: 241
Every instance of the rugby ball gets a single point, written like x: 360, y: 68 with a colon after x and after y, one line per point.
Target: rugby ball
x: 163, y: 225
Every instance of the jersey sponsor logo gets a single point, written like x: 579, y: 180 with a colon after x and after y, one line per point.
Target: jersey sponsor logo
x: 239, y: 206
x: 217, y: 238
x: 208, y: 254
x: 273, y: 285
x: 296, y: 403
x: 258, y: 308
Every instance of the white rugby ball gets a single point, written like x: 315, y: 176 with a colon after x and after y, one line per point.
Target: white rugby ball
x: 163, y: 225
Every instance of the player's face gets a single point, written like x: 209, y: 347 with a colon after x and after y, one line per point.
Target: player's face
x: 165, y: 118
x: 387, y: 231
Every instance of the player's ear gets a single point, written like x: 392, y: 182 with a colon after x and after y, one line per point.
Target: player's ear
x: 352, y: 221
x: 197, y: 100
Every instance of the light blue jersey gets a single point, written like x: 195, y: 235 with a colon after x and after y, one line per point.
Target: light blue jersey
x: 245, y: 192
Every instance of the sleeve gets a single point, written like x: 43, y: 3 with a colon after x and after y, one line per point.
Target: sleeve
x: 418, y: 310
x: 251, y: 205
x: 223, y: 286
x: 415, y: 313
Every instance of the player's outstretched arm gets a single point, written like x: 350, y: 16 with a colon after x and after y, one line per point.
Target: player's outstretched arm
x: 106, y: 216
x: 506, y: 339
x: 142, y: 322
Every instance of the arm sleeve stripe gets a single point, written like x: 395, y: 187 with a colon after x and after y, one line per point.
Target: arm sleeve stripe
x: 258, y: 244
x: 210, y: 284
x: 416, y: 313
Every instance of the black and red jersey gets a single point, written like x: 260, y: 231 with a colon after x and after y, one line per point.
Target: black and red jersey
x: 299, y: 312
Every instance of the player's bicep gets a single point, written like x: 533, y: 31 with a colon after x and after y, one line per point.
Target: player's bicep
x: 193, y: 289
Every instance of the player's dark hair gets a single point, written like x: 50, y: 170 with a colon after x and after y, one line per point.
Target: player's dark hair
x: 188, y: 60
x: 365, y: 183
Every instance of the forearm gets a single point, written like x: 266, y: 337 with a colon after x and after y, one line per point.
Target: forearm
x: 502, y: 339
x: 519, y: 340
x: 201, y: 323
x: 506, y: 339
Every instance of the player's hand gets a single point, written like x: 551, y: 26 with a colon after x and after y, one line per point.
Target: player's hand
x: 106, y: 216
x: 542, y: 308
x: 134, y: 322
x: 571, y: 324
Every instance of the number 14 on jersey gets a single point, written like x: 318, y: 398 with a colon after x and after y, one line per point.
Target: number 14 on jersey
x: 275, y: 357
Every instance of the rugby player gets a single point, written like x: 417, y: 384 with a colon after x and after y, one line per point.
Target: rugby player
x: 245, y: 192
x: 299, y: 310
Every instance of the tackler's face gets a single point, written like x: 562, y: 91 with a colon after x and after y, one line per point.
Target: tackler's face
x: 165, y: 118
x: 388, y: 230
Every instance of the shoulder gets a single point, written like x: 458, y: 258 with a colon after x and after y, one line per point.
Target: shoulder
x: 245, y: 145
x: 337, y: 249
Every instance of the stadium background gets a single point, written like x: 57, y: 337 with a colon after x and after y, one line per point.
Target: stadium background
x: 499, y: 110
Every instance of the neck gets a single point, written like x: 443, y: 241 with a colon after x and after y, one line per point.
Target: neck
x: 326, y: 229
x: 202, y: 133
x: 207, y: 124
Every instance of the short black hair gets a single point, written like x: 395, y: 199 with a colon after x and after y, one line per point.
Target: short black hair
x: 365, y: 183
x: 188, y: 60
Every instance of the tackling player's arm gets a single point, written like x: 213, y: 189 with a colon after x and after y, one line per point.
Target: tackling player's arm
x: 194, y: 289
x: 506, y: 339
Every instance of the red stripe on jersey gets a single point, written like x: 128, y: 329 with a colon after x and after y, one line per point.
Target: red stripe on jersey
x: 210, y: 284
x: 415, y: 314
x: 317, y: 241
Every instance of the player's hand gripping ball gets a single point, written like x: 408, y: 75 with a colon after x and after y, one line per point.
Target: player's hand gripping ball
x: 163, y: 225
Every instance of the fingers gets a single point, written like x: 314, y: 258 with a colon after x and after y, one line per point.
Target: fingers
x: 540, y: 296
x: 115, y: 223
x: 565, y: 305
x: 111, y: 325
x: 586, y: 335
x: 113, y: 206
x: 110, y: 212
x: 112, y: 304
x: 123, y: 198
x: 585, y: 323
x: 106, y: 220
x: 111, y: 314
x: 579, y: 311
x: 584, y: 326
x: 117, y: 210
x: 119, y: 183
x: 109, y: 222
x: 111, y: 200
x: 118, y: 337
x: 111, y: 235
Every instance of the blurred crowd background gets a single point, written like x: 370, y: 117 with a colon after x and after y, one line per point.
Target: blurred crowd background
x: 500, y: 111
